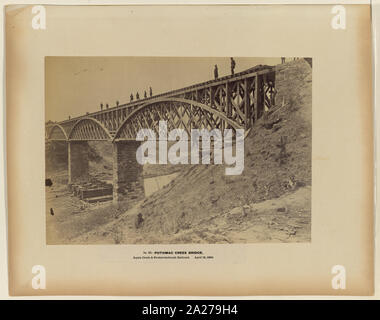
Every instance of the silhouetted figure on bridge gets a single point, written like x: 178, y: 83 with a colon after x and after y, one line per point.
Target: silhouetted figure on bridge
x: 101, y: 106
x: 145, y: 95
x: 131, y: 97
x: 233, y: 65
x: 216, y: 72
x: 150, y: 91
x: 137, y: 96
x: 107, y: 106
x: 69, y: 117
x: 282, y: 59
x: 117, y: 103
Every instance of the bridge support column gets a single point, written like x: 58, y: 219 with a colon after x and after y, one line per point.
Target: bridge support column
x: 55, y: 155
x: 259, y: 97
x: 128, y: 182
x: 78, y: 161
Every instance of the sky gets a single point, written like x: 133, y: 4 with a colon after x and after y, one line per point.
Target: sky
x: 76, y: 85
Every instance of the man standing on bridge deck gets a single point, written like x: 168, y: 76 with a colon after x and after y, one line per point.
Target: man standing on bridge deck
x: 216, y: 72
x: 131, y: 97
x: 233, y: 64
x: 101, y: 106
x: 145, y: 95
x: 137, y: 96
x: 150, y: 91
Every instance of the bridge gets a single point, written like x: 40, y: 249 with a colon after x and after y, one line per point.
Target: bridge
x: 234, y: 101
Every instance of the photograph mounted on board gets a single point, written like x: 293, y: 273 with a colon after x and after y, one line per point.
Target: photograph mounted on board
x: 178, y: 150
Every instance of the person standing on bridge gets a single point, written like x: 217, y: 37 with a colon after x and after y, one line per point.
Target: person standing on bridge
x: 101, y: 106
x: 216, y: 72
x: 150, y: 91
x: 137, y: 96
x: 282, y: 60
x: 131, y: 97
x: 233, y: 65
x: 145, y: 95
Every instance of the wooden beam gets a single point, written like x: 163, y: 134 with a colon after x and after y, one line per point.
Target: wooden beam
x: 247, y: 109
x: 212, y: 97
x: 228, y: 100
x: 256, y: 97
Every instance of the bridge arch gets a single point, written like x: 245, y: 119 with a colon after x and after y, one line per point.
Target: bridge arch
x: 88, y: 128
x: 57, y: 132
x: 188, y: 114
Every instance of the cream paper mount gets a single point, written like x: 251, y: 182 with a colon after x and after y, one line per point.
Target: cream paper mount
x: 294, y: 218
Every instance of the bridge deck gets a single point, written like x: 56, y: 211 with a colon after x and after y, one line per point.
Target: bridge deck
x: 231, y: 95
x: 260, y: 69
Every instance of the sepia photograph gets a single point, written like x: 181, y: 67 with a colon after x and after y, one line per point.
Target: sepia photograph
x: 178, y: 150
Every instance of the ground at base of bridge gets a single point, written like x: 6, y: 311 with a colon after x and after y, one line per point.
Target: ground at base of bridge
x: 284, y: 219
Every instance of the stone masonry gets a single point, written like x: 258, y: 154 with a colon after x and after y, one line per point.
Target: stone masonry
x: 128, y: 182
x: 78, y: 161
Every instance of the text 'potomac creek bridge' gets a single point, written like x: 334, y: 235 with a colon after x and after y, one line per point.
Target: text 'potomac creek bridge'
x: 230, y: 102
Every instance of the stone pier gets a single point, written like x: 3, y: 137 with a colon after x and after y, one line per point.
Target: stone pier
x: 128, y: 182
x: 78, y: 161
x: 56, y: 155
